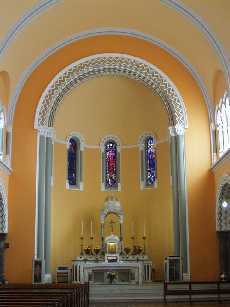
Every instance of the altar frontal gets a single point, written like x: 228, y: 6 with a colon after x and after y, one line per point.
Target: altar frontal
x: 112, y: 262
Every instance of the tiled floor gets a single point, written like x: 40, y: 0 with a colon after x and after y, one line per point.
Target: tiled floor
x: 158, y: 305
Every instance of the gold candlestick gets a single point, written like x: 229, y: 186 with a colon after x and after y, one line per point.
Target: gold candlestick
x: 82, y: 243
x: 144, y: 238
x: 91, y: 244
x: 133, y: 239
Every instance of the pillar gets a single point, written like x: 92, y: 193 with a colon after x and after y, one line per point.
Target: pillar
x: 180, y: 209
x: 43, y: 201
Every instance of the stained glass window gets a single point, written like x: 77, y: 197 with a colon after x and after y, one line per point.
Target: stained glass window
x: 74, y: 163
x: 148, y: 162
x: 110, y: 163
x: 223, y: 124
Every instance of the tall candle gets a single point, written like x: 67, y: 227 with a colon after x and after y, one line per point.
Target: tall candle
x: 144, y: 231
x: 91, y: 228
x: 132, y: 229
x: 82, y: 228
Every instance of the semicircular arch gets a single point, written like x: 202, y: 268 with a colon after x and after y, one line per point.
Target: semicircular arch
x: 110, y: 64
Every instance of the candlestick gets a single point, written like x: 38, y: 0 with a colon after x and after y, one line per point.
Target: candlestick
x: 144, y: 251
x: 132, y: 230
x: 82, y: 228
x: 91, y: 228
x: 82, y: 243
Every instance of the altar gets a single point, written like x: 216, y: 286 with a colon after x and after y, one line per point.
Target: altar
x: 112, y: 263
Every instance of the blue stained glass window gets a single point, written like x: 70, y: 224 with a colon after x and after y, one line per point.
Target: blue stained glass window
x: 111, y: 172
x: 150, y: 161
x: 72, y: 162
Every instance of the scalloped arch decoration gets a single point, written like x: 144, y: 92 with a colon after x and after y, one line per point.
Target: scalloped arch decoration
x: 223, y: 214
x: 3, y: 208
x: 110, y: 64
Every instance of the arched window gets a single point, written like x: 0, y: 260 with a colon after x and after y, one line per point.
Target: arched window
x: 2, y: 125
x: 148, y: 161
x: 74, y: 163
x: 110, y: 164
x: 223, y: 124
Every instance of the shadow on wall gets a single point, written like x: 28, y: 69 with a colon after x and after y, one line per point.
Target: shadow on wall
x: 4, y: 87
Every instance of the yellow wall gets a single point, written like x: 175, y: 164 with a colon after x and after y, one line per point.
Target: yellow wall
x: 201, y: 198
x: 125, y: 108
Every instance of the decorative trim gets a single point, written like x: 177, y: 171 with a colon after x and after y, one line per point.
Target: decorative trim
x: 176, y: 130
x: 3, y: 208
x: 106, y: 31
x: 112, y: 205
x: 23, y: 21
x: 110, y: 137
x: 5, y: 168
x: 77, y: 135
x: 142, y: 139
x: 222, y: 160
x: 48, y: 132
x: 115, y: 64
x: 222, y: 214
x: 124, y: 146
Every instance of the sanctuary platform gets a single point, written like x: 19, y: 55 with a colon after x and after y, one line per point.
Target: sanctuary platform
x: 112, y: 263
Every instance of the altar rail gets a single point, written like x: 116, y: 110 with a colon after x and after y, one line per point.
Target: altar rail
x: 197, y: 291
x: 59, y: 295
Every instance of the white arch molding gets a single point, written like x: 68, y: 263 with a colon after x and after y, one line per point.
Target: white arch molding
x: 110, y: 64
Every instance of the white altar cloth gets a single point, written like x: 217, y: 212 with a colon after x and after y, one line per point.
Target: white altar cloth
x: 85, y: 271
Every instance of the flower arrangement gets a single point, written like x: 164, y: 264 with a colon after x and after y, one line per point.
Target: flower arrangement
x: 111, y: 276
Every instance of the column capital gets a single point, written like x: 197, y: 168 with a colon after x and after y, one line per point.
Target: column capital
x: 48, y: 132
x: 176, y: 130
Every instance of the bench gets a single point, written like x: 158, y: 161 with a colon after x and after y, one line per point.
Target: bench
x: 59, y: 295
x: 197, y: 291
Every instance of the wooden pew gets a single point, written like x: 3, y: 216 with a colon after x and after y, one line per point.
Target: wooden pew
x: 60, y: 295
x: 197, y: 291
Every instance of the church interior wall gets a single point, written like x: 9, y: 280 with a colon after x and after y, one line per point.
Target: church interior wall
x: 200, y: 181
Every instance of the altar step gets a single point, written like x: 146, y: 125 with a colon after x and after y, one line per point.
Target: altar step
x: 124, y: 293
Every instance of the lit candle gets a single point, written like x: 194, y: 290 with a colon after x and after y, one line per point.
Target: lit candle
x: 132, y: 229
x: 91, y: 228
x: 82, y: 228
x: 144, y: 231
